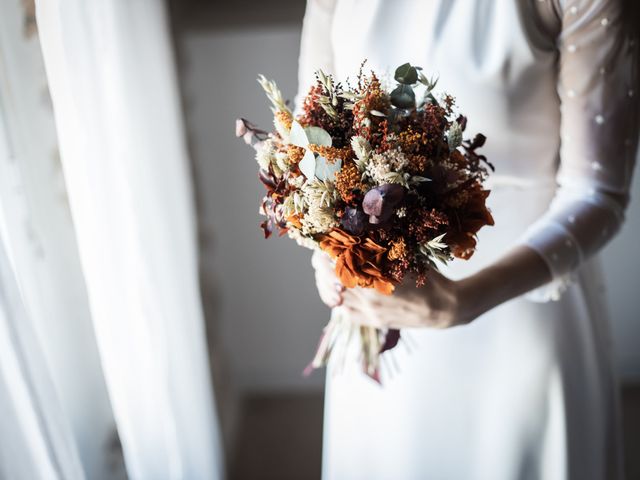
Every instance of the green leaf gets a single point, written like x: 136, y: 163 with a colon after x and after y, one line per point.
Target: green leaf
x: 326, y: 170
x: 406, y: 74
x: 298, y: 136
x: 318, y: 136
x: 403, y: 97
x: 308, y: 164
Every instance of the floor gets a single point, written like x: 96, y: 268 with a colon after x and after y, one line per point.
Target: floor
x: 280, y: 437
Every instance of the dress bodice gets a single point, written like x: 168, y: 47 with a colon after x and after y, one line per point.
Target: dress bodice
x: 501, y: 70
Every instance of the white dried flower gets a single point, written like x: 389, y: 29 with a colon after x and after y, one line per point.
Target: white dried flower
x: 319, y: 193
x: 454, y: 136
x: 282, y: 161
x: 401, y: 212
x: 293, y: 203
x: 318, y: 220
x: 360, y: 146
x: 276, y: 170
x: 273, y: 94
x: 388, y: 167
x: 297, y: 182
x: 265, y: 154
x: 395, y: 177
x: 281, y: 128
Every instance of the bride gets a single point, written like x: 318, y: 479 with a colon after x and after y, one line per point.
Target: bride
x: 506, y: 371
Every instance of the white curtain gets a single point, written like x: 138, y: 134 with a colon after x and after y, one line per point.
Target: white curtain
x: 52, y: 374
x: 36, y: 438
x: 113, y: 85
x: 112, y: 81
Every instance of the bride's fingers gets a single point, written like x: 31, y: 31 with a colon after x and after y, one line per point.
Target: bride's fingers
x: 358, y: 317
x: 361, y: 311
x: 329, y: 292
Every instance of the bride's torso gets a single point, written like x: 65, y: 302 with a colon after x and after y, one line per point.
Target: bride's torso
x: 497, y: 58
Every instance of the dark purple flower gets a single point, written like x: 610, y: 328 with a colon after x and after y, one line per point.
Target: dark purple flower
x: 380, y: 202
x: 354, y: 220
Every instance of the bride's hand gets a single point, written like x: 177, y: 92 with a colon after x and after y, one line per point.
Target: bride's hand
x: 328, y: 285
x: 436, y: 305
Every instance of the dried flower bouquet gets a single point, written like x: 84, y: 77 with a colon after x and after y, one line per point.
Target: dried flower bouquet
x: 378, y: 178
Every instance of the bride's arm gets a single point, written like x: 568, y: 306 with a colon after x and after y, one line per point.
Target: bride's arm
x: 598, y: 89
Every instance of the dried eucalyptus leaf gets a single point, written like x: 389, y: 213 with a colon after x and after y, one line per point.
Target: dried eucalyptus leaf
x: 406, y: 74
x: 308, y: 164
x: 298, y: 136
x: 326, y: 170
x: 403, y: 97
x: 317, y: 136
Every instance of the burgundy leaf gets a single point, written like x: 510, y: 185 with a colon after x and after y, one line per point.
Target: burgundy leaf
x: 391, y: 339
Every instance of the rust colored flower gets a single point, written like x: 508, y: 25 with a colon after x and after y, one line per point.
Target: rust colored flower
x: 398, y: 250
x: 417, y: 164
x: 332, y: 153
x: 284, y: 118
x: 295, y: 154
x: 348, y: 180
x: 424, y: 223
x: 411, y: 141
x: 295, y: 221
x: 376, y: 99
x: 471, y: 218
x: 358, y: 260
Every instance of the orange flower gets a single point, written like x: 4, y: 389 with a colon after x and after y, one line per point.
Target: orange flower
x: 295, y: 221
x: 332, y: 153
x: 295, y: 154
x: 347, y: 180
x: 358, y: 260
x: 398, y: 250
x: 284, y: 118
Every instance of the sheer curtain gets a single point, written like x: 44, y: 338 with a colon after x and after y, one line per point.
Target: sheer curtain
x: 113, y: 86
x: 36, y: 438
x: 51, y: 366
x: 111, y: 76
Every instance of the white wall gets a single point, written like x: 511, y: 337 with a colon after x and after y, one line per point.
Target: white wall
x: 270, y: 314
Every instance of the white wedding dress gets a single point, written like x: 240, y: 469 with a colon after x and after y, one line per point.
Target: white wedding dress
x: 527, y: 391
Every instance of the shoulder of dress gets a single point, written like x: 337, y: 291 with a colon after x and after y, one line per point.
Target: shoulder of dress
x: 325, y: 4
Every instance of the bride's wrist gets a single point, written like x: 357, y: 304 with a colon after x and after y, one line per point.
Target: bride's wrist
x: 472, y: 301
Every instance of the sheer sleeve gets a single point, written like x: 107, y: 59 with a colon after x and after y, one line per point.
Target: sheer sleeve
x: 597, y: 86
x: 316, y: 51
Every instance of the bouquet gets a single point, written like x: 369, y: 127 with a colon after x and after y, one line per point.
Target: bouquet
x: 377, y: 177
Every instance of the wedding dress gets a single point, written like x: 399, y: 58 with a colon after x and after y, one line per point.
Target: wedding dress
x: 526, y: 391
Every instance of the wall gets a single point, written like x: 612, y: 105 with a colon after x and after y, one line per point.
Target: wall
x: 269, y: 312
x: 270, y: 315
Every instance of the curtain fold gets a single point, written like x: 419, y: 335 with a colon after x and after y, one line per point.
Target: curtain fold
x: 51, y: 368
x: 112, y: 81
x: 36, y: 438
